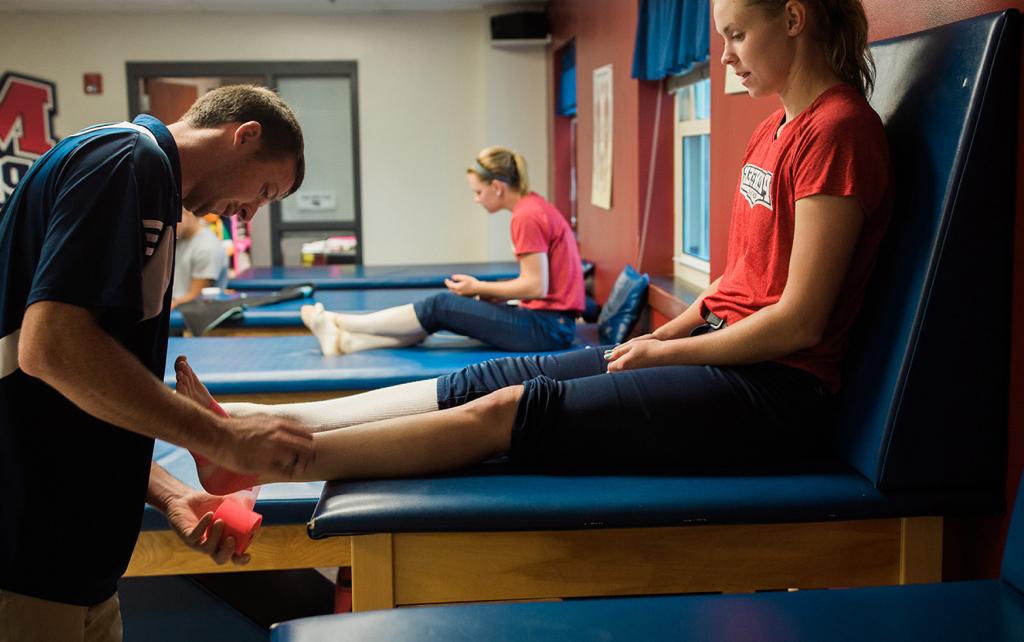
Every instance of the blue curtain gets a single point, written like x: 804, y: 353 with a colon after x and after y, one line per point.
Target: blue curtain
x: 567, y: 82
x: 671, y: 36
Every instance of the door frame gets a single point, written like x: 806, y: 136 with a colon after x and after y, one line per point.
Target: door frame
x: 270, y: 71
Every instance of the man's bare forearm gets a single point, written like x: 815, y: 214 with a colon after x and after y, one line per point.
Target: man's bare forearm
x: 163, y: 487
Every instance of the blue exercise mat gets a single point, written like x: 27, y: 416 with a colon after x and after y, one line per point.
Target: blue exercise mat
x: 947, y: 612
x: 277, y: 364
x: 506, y: 497
x: 348, y: 277
x: 287, y: 313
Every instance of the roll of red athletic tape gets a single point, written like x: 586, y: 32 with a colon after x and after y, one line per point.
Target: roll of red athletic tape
x: 239, y: 522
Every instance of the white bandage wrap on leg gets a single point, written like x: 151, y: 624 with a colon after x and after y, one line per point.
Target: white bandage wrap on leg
x: 395, y: 401
x: 349, y: 342
x: 344, y: 333
x: 399, y: 321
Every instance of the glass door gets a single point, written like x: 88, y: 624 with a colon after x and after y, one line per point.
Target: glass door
x: 323, y: 216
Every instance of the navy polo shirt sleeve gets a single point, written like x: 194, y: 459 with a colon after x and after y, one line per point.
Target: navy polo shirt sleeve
x: 94, y: 243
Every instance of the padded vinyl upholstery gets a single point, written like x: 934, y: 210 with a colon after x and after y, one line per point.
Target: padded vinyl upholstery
x: 925, y: 400
x: 500, y: 497
x: 247, y: 365
x: 954, y: 612
x: 348, y: 277
x: 287, y: 312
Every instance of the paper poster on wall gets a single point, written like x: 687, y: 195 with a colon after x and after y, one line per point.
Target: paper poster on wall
x: 601, y: 184
x: 27, y: 107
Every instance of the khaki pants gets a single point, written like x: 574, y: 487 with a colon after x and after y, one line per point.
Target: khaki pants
x: 30, y: 619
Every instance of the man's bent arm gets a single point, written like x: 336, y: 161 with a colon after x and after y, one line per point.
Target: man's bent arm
x: 63, y: 345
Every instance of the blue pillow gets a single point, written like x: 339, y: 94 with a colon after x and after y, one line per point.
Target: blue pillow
x: 622, y: 310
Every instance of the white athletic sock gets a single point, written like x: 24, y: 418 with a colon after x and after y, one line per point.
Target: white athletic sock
x: 349, y: 342
x: 323, y: 328
x: 386, y: 403
x: 337, y: 333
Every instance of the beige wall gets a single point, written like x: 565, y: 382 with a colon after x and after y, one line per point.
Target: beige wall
x: 517, y: 112
x: 432, y: 91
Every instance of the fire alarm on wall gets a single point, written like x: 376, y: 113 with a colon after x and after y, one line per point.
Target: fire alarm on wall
x: 92, y: 84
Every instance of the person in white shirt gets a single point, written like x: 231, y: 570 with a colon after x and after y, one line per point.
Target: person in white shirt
x: 199, y: 260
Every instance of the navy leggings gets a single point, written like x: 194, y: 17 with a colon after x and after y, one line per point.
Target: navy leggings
x: 573, y: 411
x: 506, y: 327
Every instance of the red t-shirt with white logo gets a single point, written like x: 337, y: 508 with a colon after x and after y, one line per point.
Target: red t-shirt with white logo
x: 836, y: 147
x: 537, y: 226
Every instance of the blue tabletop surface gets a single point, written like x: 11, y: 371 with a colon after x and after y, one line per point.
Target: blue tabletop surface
x: 953, y: 611
x: 247, y: 365
x: 501, y: 496
x: 287, y: 312
x: 327, y: 277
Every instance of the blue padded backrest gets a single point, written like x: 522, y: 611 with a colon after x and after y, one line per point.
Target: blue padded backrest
x: 1013, y: 552
x: 619, y: 314
x: 925, y: 395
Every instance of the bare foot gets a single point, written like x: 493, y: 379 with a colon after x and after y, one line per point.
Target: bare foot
x: 214, y: 478
x: 347, y: 342
x: 322, y: 326
x: 188, y: 383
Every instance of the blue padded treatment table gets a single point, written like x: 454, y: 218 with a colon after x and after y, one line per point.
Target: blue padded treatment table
x: 348, y: 277
x: 931, y: 612
x: 281, y: 543
x: 478, y: 499
x: 990, y: 610
x: 921, y: 421
x: 278, y: 368
x: 285, y: 316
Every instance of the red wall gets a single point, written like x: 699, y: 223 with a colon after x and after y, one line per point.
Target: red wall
x: 604, y: 31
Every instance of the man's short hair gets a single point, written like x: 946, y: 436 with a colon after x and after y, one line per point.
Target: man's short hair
x: 281, y: 134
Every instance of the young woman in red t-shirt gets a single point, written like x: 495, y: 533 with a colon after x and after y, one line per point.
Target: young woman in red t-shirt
x: 748, y: 372
x: 549, y: 285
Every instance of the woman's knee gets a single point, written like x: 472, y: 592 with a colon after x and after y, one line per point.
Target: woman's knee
x: 498, y: 407
x: 442, y: 301
x: 430, y: 309
x: 494, y: 415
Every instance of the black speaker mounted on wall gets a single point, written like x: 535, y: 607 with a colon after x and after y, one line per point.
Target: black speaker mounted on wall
x: 521, y: 25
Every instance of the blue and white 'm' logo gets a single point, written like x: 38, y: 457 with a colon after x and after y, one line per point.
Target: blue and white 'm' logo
x: 756, y: 186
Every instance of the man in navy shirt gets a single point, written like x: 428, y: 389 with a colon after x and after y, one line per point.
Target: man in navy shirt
x: 86, y: 261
